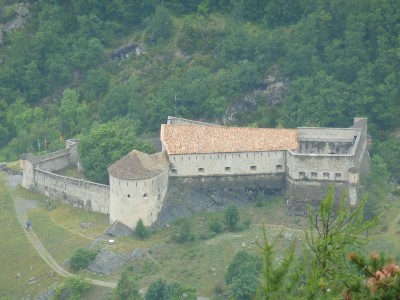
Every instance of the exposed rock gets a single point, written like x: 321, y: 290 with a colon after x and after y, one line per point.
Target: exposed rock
x: 21, y: 15
x: 47, y: 295
x: 106, y: 261
x: 119, y: 229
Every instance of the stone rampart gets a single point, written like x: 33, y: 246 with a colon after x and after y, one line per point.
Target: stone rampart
x: 189, y: 195
x: 301, y: 194
x: 79, y: 193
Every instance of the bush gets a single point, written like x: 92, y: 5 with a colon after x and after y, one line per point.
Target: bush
x: 215, y: 226
x: 141, y: 230
x: 81, y: 258
x: 232, y: 217
x: 127, y: 287
x: 184, y: 232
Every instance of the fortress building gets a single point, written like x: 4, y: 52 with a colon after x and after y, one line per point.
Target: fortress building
x: 205, y: 166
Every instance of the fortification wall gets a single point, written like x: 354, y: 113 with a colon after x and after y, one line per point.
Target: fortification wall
x: 228, y: 164
x: 189, y: 195
x: 326, y: 134
x: 131, y: 200
x: 318, y: 167
x: 54, y: 163
x: 301, y: 194
x: 80, y: 193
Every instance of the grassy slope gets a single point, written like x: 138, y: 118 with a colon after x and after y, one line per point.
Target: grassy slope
x: 201, y: 264
x: 18, y: 255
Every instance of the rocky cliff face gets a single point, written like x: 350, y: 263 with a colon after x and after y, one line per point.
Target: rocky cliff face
x: 12, y: 17
x: 271, y: 93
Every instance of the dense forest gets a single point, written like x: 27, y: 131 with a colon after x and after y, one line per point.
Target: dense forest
x: 61, y: 74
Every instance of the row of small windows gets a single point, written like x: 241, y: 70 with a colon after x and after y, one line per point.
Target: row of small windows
x: 145, y: 196
x: 279, y: 168
x: 325, y: 175
x: 226, y: 155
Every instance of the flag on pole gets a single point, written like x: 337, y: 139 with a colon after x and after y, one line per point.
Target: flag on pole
x: 45, y: 144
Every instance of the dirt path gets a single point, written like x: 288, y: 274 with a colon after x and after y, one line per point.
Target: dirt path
x: 21, y: 207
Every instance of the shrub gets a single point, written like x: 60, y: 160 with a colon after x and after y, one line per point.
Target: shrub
x: 141, y: 230
x: 215, y: 226
x: 81, y: 258
x: 127, y: 287
x: 184, y: 232
x: 232, y: 217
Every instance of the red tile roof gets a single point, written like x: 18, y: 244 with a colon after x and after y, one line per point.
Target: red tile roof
x: 191, y: 139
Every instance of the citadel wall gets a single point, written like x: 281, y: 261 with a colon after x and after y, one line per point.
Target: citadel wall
x: 227, y: 164
x: 38, y: 175
x: 77, y: 192
x: 131, y: 200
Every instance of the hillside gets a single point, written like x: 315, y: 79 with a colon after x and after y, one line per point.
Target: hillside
x: 70, y: 66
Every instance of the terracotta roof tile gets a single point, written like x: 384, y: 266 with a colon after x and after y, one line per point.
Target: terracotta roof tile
x: 139, y: 165
x: 187, y: 139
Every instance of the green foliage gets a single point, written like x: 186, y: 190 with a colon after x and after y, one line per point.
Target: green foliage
x: 278, y: 281
x: 183, y: 233
x: 105, y: 144
x: 81, y: 258
x: 242, y: 276
x: 383, y: 277
x: 389, y: 151
x: 215, y: 225
x: 231, y: 217
x: 162, y: 290
x: 161, y: 25
x: 74, y: 116
x: 127, y: 287
x: 77, y: 284
x: 141, y: 231
x: 331, y: 235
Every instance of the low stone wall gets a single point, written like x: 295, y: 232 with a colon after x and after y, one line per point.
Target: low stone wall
x: 79, y: 193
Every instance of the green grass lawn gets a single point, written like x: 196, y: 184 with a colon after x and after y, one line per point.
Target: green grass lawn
x: 18, y: 255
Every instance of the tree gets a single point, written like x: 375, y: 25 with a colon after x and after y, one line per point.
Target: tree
x: 74, y: 116
x: 242, y: 275
x: 331, y: 235
x: 105, y: 144
x: 81, y: 258
x: 161, y: 25
x: 162, y: 290
x: 232, y: 217
x: 141, y: 230
x: 127, y: 287
x: 183, y: 233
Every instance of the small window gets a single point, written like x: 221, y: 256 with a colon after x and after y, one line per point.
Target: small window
x: 279, y: 168
x: 129, y: 195
x: 314, y: 175
x: 227, y: 169
x: 326, y: 175
x: 253, y: 168
x: 338, y: 175
x: 201, y: 170
x: 174, y: 171
x: 145, y: 195
x: 302, y: 174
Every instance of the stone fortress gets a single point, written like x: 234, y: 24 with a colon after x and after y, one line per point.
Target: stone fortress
x: 205, y: 167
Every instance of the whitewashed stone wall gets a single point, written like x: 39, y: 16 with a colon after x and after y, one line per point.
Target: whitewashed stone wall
x: 131, y: 200
x: 226, y: 164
